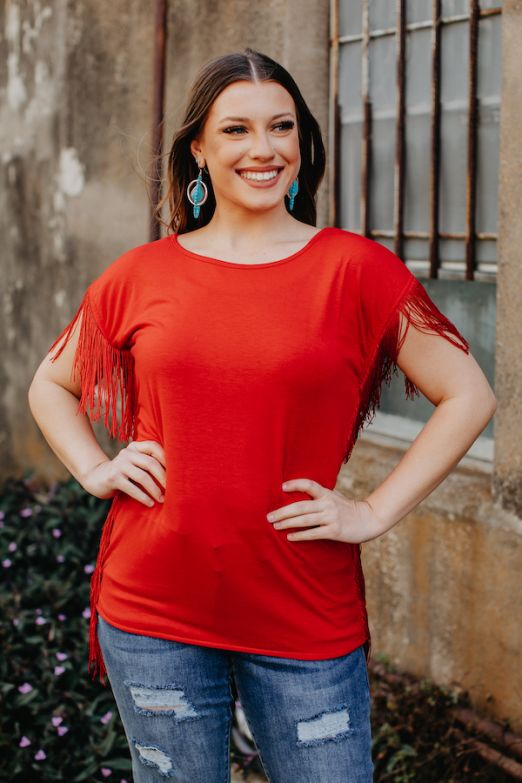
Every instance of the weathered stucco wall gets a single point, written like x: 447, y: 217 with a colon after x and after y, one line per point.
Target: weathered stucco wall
x: 442, y: 584
x: 75, y: 116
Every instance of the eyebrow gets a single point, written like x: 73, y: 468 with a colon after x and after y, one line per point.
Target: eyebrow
x: 245, y: 119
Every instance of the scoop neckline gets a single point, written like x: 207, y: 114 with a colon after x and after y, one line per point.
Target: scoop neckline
x: 253, y: 265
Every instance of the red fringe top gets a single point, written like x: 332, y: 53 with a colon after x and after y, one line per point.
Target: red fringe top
x: 248, y: 375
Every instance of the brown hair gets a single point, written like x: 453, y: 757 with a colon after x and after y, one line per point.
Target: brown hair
x: 212, y: 78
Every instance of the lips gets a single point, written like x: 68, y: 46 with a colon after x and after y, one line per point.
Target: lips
x: 261, y: 169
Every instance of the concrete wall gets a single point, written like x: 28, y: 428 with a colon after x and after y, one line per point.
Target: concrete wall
x: 442, y: 585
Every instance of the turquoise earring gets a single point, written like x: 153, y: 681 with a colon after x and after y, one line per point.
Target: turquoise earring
x: 292, y: 193
x: 197, y: 193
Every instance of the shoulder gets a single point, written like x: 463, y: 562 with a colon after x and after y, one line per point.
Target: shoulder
x: 135, y: 264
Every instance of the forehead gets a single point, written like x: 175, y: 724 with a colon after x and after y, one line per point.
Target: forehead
x: 251, y: 99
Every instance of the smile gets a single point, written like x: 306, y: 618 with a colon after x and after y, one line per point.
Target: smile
x: 261, y: 177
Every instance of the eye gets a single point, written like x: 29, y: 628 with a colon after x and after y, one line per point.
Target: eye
x: 232, y: 129
x: 285, y: 125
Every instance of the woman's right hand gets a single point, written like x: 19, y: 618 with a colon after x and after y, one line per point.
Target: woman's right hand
x: 135, y: 468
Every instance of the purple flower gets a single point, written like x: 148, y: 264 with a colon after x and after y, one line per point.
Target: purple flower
x: 40, y: 621
x: 12, y: 546
x: 56, y: 720
x: 56, y: 532
x: 59, y: 670
x: 106, y: 718
x: 2, y: 515
x: 40, y: 755
x: 60, y: 558
x: 38, y: 611
x: 61, y: 617
x: 86, y: 613
x: 7, y: 563
x: 89, y: 568
x: 26, y: 687
x: 62, y: 730
x: 16, y: 621
x: 26, y: 512
x: 61, y: 656
x: 106, y: 771
x: 24, y: 742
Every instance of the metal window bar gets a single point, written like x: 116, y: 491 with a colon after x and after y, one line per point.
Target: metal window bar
x: 470, y: 236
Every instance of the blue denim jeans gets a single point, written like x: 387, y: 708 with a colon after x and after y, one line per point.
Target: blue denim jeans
x: 310, y: 720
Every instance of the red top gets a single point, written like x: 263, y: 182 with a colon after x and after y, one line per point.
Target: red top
x: 247, y: 375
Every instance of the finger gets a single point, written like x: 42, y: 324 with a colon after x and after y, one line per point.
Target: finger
x: 125, y: 485
x: 149, y: 447
x: 305, y: 485
x: 302, y: 521
x: 299, y: 507
x: 309, y: 535
x: 144, y: 479
x: 150, y: 464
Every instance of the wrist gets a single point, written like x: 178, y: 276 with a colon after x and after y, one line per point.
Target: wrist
x: 381, y: 522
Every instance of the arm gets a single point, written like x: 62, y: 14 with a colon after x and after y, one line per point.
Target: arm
x: 53, y: 398
x: 465, y: 403
x: 453, y: 381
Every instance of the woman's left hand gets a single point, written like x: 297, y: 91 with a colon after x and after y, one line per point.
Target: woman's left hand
x: 329, y: 515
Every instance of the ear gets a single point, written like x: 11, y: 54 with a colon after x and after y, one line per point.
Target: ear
x: 195, y: 148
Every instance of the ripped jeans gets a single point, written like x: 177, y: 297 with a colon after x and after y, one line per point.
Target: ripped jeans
x: 310, y: 720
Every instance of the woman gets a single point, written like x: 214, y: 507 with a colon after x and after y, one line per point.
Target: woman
x: 241, y: 354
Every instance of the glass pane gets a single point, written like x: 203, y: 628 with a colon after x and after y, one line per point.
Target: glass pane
x: 418, y: 131
x: 455, y: 7
x: 471, y: 306
x: 418, y: 10
x: 489, y: 77
x: 454, y: 127
x: 351, y: 135
x: 382, y: 14
x: 350, y: 17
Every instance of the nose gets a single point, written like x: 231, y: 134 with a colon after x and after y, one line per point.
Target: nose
x: 261, y: 146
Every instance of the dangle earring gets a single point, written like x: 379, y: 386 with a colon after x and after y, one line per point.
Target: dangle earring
x: 292, y: 193
x: 197, y: 193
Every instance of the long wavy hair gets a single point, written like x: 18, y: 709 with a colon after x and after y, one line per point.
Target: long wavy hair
x: 212, y: 78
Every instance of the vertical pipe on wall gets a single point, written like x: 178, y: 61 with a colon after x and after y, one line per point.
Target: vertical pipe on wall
x: 471, y: 178
x: 400, y: 131
x: 435, y: 140
x: 366, y: 152
x: 158, y: 106
x: 334, y: 120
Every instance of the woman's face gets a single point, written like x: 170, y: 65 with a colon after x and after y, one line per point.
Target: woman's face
x: 251, y: 127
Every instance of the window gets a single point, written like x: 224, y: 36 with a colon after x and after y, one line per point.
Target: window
x: 414, y: 155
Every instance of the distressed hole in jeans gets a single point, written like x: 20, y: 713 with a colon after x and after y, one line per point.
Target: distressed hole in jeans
x: 152, y: 756
x: 334, y: 725
x: 167, y: 700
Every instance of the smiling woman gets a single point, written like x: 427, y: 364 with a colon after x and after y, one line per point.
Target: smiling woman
x: 247, y: 349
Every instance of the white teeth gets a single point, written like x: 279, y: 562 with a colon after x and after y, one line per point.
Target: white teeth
x: 259, y: 175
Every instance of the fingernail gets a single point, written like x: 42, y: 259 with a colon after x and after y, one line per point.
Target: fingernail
x: 162, y: 498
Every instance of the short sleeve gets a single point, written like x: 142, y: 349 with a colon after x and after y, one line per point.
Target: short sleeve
x: 103, y: 361
x: 390, y: 299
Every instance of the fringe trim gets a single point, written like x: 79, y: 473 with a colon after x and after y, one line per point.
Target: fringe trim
x: 106, y: 374
x: 420, y: 311
x: 95, y: 661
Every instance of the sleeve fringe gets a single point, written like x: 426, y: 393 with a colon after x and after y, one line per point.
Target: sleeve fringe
x: 106, y: 374
x: 420, y: 311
